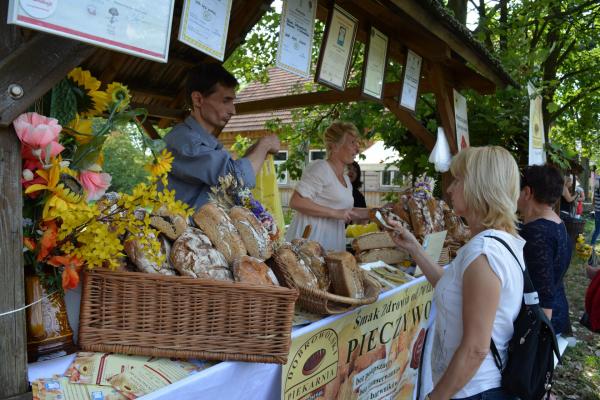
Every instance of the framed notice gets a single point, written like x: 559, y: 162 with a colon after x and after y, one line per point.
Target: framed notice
x: 138, y: 27
x: 336, y: 50
x: 410, y: 80
x: 296, y: 36
x: 375, y: 64
x: 461, y: 121
x: 204, y: 25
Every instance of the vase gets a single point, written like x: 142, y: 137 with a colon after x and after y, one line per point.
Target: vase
x: 49, y: 334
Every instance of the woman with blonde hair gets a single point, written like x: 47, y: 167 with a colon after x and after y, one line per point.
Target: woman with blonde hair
x: 479, y: 294
x: 323, y: 197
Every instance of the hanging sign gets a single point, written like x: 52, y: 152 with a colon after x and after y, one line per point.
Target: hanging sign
x: 461, y: 121
x: 336, y: 50
x: 410, y: 82
x: 204, y: 25
x: 374, y: 65
x: 296, y: 36
x: 138, y: 27
x: 537, y: 154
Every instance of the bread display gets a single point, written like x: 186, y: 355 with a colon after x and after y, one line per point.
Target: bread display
x: 168, y: 223
x: 294, y: 266
x: 346, y: 276
x: 147, y: 259
x: 193, y: 255
x: 254, y: 235
x: 387, y: 255
x: 217, y: 225
x: 249, y: 269
x: 373, y: 240
x: 312, y: 253
x: 457, y: 230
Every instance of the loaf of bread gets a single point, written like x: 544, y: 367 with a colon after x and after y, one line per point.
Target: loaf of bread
x: 293, y: 265
x: 194, y: 255
x: 249, y: 269
x: 417, y: 219
x: 388, y: 215
x: 145, y: 258
x: 372, y: 240
x: 168, y: 223
x: 312, y: 253
x: 457, y: 230
x: 216, y: 224
x: 346, y: 276
x: 254, y: 235
x: 388, y: 256
x: 400, y: 208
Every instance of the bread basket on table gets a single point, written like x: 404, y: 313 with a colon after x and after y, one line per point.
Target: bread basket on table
x: 175, y: 316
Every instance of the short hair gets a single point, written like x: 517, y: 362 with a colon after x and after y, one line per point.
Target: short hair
x: 204, y: 78
x: 358, y: 182
x: 336, y: 131
x: 491, y: 185
x: 546, y: 183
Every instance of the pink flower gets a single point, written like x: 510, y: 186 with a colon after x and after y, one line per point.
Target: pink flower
x: 38, y: 132
x: 55, y: 149
x: 94, y: 183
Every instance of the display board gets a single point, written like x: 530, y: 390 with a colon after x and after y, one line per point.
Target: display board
x: 375, y: 64
x: 294, y: 52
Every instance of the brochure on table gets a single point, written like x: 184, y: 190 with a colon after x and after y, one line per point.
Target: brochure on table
x: 138, y: 27
x: 204, y: 25
x: 296, y: 36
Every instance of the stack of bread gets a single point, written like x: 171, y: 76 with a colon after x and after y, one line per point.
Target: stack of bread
x: 378, y: 246
x: 223, y: 245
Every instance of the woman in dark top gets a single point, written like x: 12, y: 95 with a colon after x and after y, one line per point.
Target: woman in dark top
x: 547, y: 252
x: 354, y: 174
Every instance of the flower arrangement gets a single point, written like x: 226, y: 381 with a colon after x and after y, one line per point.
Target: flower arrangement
x: 68, y: 224
x: 582, y: 249
x: 424, y: 186
x: 230, y: 192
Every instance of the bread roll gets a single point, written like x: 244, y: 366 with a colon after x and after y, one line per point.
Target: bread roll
x: 193, y: 255
x: 249, y: 269
x: 346, y: 276
x: 253, y: 233
x: 372, y: 240
x: 168, y: 223
x: 217, y: 225
x: 388, y: 256
x: 143, y: 257
x: 288, y: 260
x: 416, y: 216
x: 312, y: 253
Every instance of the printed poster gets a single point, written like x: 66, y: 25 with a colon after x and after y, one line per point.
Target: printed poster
x: 373, y: 353
x: 204, y: 25
x: 374, y: 70
x: 410, y: 83
x: 461, y: 121
x: 294, y: 52
x: 138, y: 27
x: 537, y: 154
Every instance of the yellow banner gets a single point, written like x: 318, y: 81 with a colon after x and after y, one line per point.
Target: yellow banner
x: 372, y: 353
x: 267, y: 192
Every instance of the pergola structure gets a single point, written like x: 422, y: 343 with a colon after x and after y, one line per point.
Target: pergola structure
x: 31, y: 63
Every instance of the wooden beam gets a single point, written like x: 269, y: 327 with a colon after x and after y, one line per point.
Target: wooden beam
x: 149, y: 129
x: 54, y: 58
x: 117, y: 61
x: 411, y: 123
x: 445, y: 104
x: 165, y: 113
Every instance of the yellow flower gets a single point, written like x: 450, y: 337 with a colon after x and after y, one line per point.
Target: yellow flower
x: 161, y: 164
x: 118, y: 93
x: 84, y: 79
x: 81, y: 129
x: 91, y: 101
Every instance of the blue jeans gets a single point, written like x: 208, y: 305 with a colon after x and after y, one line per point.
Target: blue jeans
x: 491, y: 394
x: 596, y: 228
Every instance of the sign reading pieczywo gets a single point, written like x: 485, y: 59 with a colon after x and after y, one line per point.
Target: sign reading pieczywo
x: 371, y: 353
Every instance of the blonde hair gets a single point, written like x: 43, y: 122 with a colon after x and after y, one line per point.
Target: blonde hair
x: 336, y: 131
x: 491, y: 185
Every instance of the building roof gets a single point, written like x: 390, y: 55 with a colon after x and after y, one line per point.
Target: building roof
x: 377, y: 156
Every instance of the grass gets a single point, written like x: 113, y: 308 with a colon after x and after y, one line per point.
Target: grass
x: 579, y: 375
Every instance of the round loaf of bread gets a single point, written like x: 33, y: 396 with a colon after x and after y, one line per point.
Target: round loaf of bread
x: 294, y: 267
x: 216, y: 224
x: 312, y: 253
x: 193, y: 255
x: 145, y: 260
x: 249, y: 269
x: 253, y: 233
x: 170, y: 224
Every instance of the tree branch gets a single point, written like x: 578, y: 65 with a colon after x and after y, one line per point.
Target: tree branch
x: 574, y: 100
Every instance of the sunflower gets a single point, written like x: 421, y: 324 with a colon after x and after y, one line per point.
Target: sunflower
x: 90, y: 100
x: 118, y: 94
x: 161, y: 164
x: 81, y: 129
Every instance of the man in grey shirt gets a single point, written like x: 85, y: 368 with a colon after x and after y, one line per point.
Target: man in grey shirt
x: 199, y: 157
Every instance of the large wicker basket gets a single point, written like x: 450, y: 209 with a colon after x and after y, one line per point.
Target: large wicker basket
x: 174, y: 316
x: 322, y: 302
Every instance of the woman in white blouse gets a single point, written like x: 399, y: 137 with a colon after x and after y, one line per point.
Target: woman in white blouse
x: 323, y: 197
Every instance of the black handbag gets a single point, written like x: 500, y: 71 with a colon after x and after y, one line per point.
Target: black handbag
x: 529, y: 370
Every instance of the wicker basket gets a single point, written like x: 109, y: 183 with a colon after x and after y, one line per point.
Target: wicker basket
x: 174, y: 316
x: 321, y: 302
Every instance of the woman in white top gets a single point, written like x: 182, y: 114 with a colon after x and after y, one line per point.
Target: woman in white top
x: 478, y: 296
x: 323, y: 197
